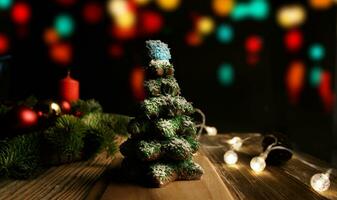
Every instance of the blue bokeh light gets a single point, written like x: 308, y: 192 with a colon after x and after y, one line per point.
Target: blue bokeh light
x: 5, y: 4
x: 225, y: 33
x: 316, y: 52
x: 64, y: 25
x: 255, y: 9
x: 315, y: 76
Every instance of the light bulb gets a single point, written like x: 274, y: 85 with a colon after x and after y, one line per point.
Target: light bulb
x: 230, y: 157
x: 236, y: 143
x: 258, y: 163
x: 320, y: 182
x: 211, y: 131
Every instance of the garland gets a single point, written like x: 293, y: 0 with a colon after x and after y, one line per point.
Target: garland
x: 58, y: 136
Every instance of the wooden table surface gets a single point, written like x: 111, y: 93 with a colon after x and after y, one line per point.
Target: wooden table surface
x: 290, y: 181
x: 87, y: 180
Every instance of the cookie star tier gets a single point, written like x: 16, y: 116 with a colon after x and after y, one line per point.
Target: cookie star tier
x: 163, y: 136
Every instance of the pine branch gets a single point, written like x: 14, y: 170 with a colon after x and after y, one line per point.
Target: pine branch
x: 102, y: 132
x: 19, y: 157
x: 65, y: 140
x: 86, y: 106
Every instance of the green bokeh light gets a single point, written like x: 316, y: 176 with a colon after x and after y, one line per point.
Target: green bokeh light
x: 64, y: 25
x: 315, y: 76
x: 5, y: 4
x: 316, y: 52
x: 225, y: 33
x: 226, y: 74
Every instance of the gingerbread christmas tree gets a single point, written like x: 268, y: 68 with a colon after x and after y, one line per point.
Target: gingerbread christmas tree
x: 163, y: 135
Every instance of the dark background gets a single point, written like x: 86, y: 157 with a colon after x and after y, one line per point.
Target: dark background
x: 257, y: 101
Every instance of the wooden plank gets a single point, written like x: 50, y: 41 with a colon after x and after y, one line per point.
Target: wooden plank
x: 71, y: 181
x: 209, y: 187
x: 290, y: 181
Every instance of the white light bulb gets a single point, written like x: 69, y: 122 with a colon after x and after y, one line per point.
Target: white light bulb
x: 230, y: 157
x: 236, y: 142
x: 258, y: 164
x: 320, y: 182
x: 211, y: 131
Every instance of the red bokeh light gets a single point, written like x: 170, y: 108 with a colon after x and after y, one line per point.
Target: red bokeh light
x: 151, y: 22
x: 136, y: 82
x: 326, y: 92
x: 93, y: 12
x: 66, y: 2
x: 293, y: 40
x: 193, y: 38
x: 21, y: 13
x: 27, y: 117
x: 116, y: 50
x: 124, y: 33
x: 4, y: 43
x: 61, y: 53
x: 253, y: 44
x: 253, y: 59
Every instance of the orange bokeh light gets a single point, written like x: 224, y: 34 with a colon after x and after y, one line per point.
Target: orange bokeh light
x: 50, y: 36
x: 222, y: 7
x: 321, y: 4
x: 136, y: 82
x: 294, y: 79
x: 193, y: 38
x: 61, y: 53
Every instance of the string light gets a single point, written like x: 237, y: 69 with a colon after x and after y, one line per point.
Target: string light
x: 321, y: 181
x: 235, y: 142
x: 211, y: 131
x: 258, y: 163
x: 230, y: 157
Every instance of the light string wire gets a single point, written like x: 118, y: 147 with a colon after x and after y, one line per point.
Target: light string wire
x: 202, y: 126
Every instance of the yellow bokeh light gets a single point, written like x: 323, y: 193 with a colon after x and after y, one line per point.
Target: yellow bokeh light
x: 222, y: 7
x: 291, y: 15
x: 205, y: 25
x: 142, y: 2
x: 321, y: 4
x: 168, y: 5
x: 126, y: 20
x: 117, y: 7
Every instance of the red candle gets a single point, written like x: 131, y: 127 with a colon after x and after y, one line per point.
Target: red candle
x: 69, y: 89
